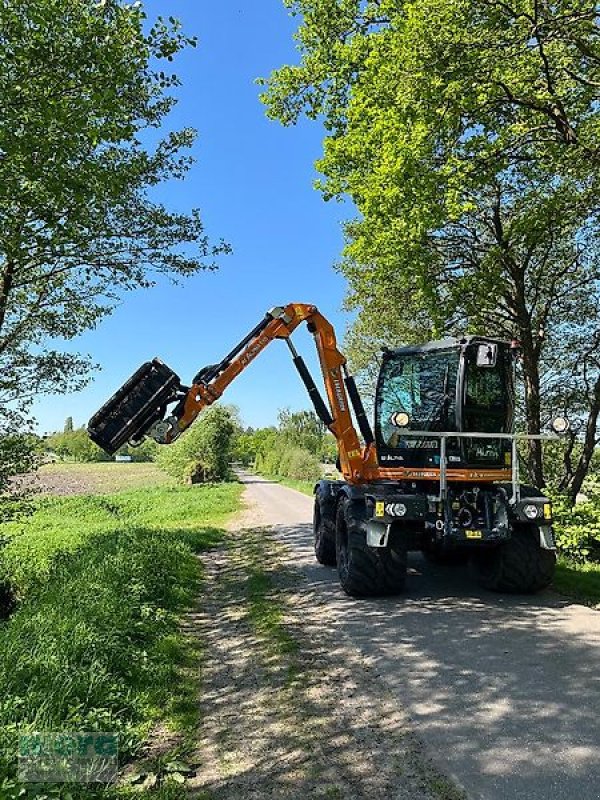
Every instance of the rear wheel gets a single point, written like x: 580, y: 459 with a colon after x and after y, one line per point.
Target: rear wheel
x: 365, y: 571
x: 324, y: 536
x: 518, y: 566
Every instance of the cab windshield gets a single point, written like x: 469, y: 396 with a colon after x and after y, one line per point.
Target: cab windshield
x: 416, y: 391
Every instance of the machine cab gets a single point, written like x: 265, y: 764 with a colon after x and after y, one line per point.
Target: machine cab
x: 451, y: 385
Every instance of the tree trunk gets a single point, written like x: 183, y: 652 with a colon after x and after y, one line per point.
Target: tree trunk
x: 533, y: 413
x: 6, y: 284
x: 589, y: 444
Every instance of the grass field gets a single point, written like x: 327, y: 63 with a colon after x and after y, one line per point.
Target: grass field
x: 100, y: 581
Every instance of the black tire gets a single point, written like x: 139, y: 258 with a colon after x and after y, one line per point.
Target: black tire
x: 324, y: 537
x: 520, y: 566
x: 365, y: 571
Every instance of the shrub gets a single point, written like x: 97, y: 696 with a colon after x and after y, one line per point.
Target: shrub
x: 17, y: 456
x: 577, y: 529
x: 76, y: 446
x: 202, y: 453
x: 303, y: 466
x: 289, y: 462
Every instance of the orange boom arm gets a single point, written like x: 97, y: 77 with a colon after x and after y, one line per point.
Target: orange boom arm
x: 357, y: 464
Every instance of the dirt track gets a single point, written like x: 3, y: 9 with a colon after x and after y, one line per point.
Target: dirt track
x: 504, y: 690
x: 288, y: 711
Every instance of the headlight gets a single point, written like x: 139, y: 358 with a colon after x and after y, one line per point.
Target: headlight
x: 400, y: 419
x: 560, y: 425
x: 530, y: 511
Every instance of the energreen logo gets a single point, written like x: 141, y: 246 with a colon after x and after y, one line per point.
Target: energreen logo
x: 68, y: 757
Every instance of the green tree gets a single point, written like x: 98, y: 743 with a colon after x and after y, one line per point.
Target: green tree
x: 75, y: 445
x: 303, y: 429
x: 68, y: 425
x: 18, y: 455
x: 466, y: 134
x: 84, y: 87
x: 245, y: 447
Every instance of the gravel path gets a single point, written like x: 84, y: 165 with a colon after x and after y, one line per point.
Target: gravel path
x: 504, y: 690
x: 289, y: 710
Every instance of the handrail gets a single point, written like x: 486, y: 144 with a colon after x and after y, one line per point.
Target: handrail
x: 514, y: 438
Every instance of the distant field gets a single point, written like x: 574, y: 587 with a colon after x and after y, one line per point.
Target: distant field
x: 72, y: 479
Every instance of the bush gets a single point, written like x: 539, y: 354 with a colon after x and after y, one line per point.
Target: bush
x: 17, y: 456
x: 302, y: 465
x: 202, y: 453
x: 289, y: 462
x: 75, y: 446
x: 577, y: 528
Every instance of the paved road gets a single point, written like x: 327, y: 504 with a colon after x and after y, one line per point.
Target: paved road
x: 505, y: 690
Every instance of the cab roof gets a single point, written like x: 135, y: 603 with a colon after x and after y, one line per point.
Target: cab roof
x: 451, y: 343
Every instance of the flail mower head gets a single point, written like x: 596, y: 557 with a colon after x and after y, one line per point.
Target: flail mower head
x: 139, y: 404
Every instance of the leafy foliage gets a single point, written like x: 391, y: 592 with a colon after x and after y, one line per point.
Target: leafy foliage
x: 294, y: 449
x: 76, y: 445
x: 577, y: 527
x: 82, y: 94
x: 466, y: 134
x: 203, y: 453
x: 288, y: 461
x: 305, y: 430
x: 18, y: 455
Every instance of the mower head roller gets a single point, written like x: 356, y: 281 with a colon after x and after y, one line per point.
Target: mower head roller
x: 135, y: 407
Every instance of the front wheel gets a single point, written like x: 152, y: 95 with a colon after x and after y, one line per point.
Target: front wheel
x: 365, y: 571
x: 520, y: 566
x: 324, y: 537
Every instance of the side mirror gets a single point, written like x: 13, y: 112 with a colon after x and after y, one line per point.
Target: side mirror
x: 487, y: 355
x: 560, y: 425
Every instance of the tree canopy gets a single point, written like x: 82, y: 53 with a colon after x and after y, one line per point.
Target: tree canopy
x: 83, y: 94
x: 467, y: 135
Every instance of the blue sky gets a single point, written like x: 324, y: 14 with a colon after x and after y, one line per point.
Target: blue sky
x: 253, y: 181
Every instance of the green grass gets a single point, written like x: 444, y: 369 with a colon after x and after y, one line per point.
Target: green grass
x: 579, y: 581
x: 265, y: 611
x: 95, y: 643
x: 264, y: 601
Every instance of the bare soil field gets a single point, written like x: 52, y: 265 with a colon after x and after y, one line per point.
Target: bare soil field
x: 72, y: 479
